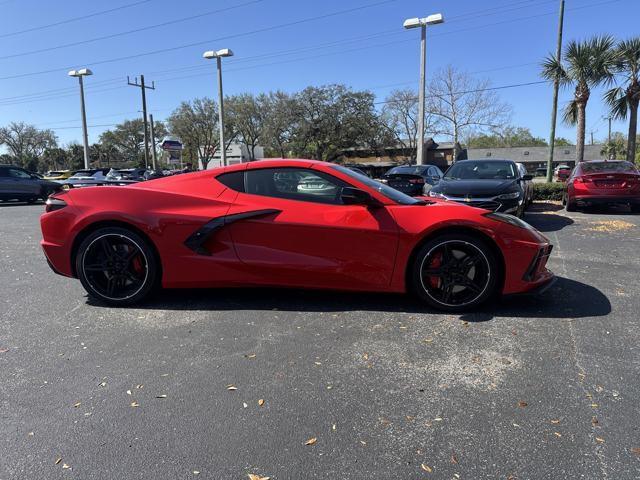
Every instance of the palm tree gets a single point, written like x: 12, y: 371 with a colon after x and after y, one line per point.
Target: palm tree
x: 585, y: 65
x: 624, y: 100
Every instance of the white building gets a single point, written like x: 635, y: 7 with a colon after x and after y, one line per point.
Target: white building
x: 236, y: 153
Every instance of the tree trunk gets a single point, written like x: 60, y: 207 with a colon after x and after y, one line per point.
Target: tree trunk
x: 633, y: 129
x: 581, y: 131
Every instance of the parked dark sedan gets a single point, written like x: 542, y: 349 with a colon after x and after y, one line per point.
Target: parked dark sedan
x: 18, y: 184
x: 413, y: 179
x: 495, y: 185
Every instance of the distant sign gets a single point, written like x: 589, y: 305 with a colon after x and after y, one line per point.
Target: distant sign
x: 171, y: 144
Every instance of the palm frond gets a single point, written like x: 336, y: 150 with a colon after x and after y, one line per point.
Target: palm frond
x: 552, y: 68
x: 616, y: 98
x: 570, y: 113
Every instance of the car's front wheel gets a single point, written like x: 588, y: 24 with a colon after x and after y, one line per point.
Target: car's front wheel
x: 455, y: 272
x: 116, y: 266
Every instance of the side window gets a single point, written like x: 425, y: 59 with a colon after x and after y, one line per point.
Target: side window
x: 294, y: 184
x: 232, y: 180
x: 15, y: 173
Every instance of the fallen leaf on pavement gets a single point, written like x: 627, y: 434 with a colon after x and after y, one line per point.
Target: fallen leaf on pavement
x: 311, y: 441
x: 102, y: 384
x: 261, y: 402
x: 58, y: 460
x: 636, y: 451
x: 557, y: 434
x: 522, y: 404
x: 594, y: 421
x: 76, y: 405
x: 244, y: 405
x: 135, y: 404
x: 4, y: 350
x: 257, y: 477
x: 196, y: 472
x: 65, y: 466
x: 251, y: 355
x: 454, y: 458
x: 231, y: 387
x: 599, y: 440
x: 128, y: 392
x: 161, y: 396
x: 555, y: 421
x: 426, y: 468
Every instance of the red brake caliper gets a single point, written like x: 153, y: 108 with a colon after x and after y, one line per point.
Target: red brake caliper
x: 435, y: 263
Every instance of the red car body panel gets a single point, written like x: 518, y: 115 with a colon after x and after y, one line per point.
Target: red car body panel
x: 619, y: 183
x: 289, y: 243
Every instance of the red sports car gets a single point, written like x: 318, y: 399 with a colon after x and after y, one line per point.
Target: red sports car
x: 603, y: 183
x: 290, y: 223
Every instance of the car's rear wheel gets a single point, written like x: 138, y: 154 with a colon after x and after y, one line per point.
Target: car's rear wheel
x: 116, y: 266
x: 569, y: 205
x: 455, y: 272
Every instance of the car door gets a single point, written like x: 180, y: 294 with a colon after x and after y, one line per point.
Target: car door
x: 294, y: 230
x: 21, y: 183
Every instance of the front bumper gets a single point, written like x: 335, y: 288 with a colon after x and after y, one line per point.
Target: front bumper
x: 493, y: 204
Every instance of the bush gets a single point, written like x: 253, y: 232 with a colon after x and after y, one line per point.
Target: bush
x: 548, y: 191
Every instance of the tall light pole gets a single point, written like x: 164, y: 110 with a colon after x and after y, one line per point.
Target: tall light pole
x: 84, y: 72
x: 422, y: 23
x: 556, y: 88
x: 219, y: 55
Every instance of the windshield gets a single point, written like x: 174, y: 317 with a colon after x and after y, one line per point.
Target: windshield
x: 597, y: 167
x: 390, y: 193
x: 406, y: 171
x: 84, y: 173
x: 481, y: 170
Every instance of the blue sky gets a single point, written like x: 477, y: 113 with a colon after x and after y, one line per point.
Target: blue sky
x: 501, y: 40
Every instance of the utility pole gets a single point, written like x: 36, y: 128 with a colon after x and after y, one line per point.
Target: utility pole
x: 591, y: 133
x: 609, y: 138
x: 144, y: 88
x: 153, y: 142
x: 556, y: 88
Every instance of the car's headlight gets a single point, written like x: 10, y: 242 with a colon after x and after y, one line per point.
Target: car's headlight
x: 436, y: 194
x: 510, y: 219
x: 509, y: 196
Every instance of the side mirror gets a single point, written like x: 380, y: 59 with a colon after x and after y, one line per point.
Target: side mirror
x: 527, y: 178
x: 355, y: 196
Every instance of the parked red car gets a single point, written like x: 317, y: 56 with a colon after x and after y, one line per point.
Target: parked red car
x: 562, y: 172
x: 603, y: 183
x: 291, y: 223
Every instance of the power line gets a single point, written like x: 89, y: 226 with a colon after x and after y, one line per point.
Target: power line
x: 195, y: 44
x: 71, y: 20
x: 128, y: 32
x: 465, y: 92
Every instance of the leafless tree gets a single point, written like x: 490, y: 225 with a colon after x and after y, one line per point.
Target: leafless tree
x: 465, y: 105
x: 400, y: 116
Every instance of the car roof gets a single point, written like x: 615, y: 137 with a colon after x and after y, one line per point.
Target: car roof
x: 486, y: 160
x: 274, y: 163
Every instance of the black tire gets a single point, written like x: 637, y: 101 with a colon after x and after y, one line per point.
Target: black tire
x: 635, y: 207
x: 32, y: 200
x: 466, y: 277
x: 569, y: 206
x: 117, y: 266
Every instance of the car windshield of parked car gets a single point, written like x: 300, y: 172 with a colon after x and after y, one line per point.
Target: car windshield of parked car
x: 599, y: 167
x: 406, y: 171
x: 387, y: 191
x: 15, y: 173
x: 481, y: 170
x: 83, y: 173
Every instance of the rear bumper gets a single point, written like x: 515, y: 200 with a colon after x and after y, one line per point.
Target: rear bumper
x: 589, y: 200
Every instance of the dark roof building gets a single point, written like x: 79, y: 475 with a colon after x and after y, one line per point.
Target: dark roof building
x: 536, y: 157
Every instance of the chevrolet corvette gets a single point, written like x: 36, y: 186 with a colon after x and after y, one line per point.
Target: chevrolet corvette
x: 288, y: 223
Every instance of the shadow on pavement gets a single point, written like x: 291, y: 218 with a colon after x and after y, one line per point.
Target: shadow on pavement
x: 547, y: 222
x: 9, y: 203
x: 566, y: 299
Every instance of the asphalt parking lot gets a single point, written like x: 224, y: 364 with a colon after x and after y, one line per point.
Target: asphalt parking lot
x: 223, y: 384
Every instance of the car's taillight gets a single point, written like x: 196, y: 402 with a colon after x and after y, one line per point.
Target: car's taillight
x: 580, y: 180
x: 53, y: 203
x: 416, y: 180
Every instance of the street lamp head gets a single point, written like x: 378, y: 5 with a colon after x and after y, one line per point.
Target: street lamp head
x: 83, y: 72
x: 434, y: 19
x: 225, y: 52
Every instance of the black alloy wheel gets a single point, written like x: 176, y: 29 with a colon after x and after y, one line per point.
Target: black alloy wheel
x: 116, y: 266
x: 455, y: 272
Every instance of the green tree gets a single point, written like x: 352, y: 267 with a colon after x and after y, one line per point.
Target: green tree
x: 563, y: 142
x: 26, y: 143
x: 616, y: 148
x: 585, y: 65
x: 245, y: 112
x: 280, y: 123
x: 127, y: 138
x: 623, y: 100
x: 507, y: 137
x: 196, y: 124
x: 332, y: 118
